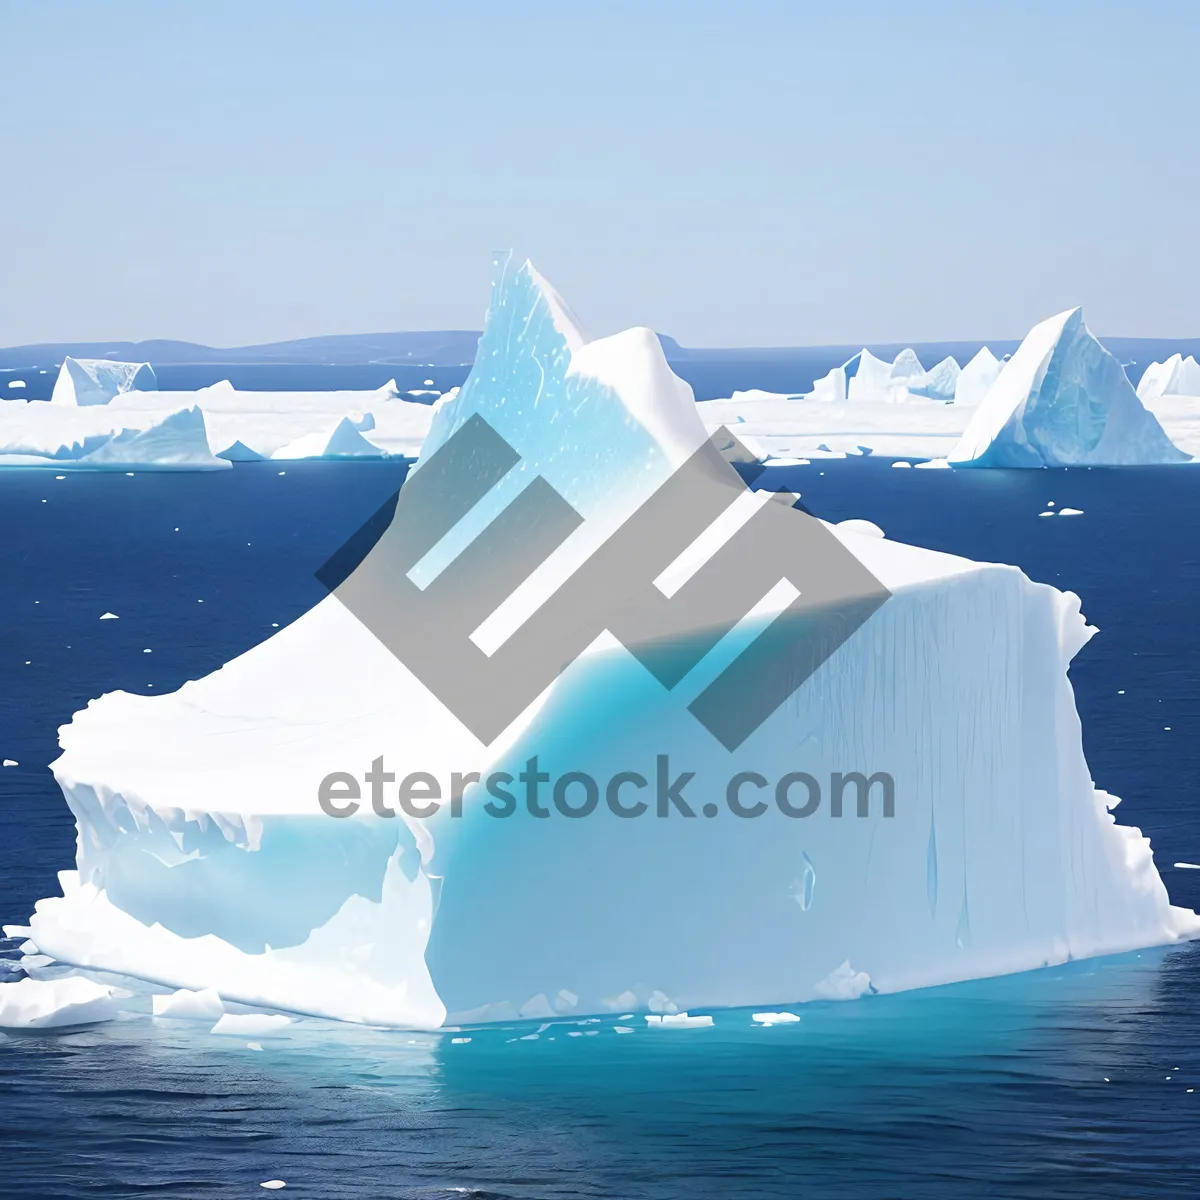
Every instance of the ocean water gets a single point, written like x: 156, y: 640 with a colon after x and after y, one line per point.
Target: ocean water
x: 1070, y: 1081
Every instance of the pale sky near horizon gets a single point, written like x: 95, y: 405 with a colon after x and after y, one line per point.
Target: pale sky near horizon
x: 758, y: 173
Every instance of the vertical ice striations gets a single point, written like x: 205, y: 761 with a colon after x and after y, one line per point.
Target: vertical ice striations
x: 204, y: 861
x: 1063, y: 400
x: 84, y: 381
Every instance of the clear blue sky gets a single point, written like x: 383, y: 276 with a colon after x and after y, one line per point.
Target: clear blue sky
x: 757, y: 173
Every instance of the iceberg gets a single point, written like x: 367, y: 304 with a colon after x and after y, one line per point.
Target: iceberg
x: 55, y: 1003
x: 342, y: 441
x: 940, y: 382
x: 1178, y: 376
x: 101, y: 437
x: 871, y: 381
x: 86, y: 381
x: 209, y: 856
x: 1063, y: 400
x: 976, y: 378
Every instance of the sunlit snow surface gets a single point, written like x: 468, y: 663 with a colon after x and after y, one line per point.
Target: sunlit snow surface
x: 204, y: 861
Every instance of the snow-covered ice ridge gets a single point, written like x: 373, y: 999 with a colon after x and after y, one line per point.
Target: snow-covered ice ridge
x: 123, y: 420
x: 204, y: 862
x: 1062, y: 400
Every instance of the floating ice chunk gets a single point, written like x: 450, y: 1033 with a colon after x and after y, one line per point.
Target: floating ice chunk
x: 11, y: 762
x: 865, y: 528
x: 775, y: 1018
x: 622, y: 1029
x: 254, y: 1046
x: 342, y: 441
x: 1063, y: 400
x: 976, y: 378
x: 677, y: 1021
x: 54, y: 1003
x: 109, y: 616
x: 16, y: 383
x: 459, y: 1041
x: 1070, y: 512
x: 901, y: 463
x: 1188, y: 866
x: 187, y: 1005
x: 251, y: 1024
x: 1048, y: 513
x: 843, y: 983
x: 273, y: 1185
x: 87, y: 381
x: 934, y: 464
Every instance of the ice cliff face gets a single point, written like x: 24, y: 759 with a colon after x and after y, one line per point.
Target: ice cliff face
x: 83, y: 381
x: 1063, y: 400
x: 205, y: 861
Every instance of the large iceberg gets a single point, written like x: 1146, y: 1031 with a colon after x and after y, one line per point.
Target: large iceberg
x: 1063, y: 400
x: 85, y: 381
x: 205, y: 860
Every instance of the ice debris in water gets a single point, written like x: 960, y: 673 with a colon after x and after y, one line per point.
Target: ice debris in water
x: 677, y: 1021
x: 55, y: 1003
x: 251, y: 1024
x: 775, y: 1018
x: 203, y: 1005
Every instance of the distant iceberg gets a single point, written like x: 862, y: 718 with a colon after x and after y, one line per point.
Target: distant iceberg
x: 1178, y: 376
x: 940, y: 382
x: 85, y: 381
x: 1063, y: 400
x: 204, y: 860
x: 976, y: 378
x: 99, y: 437
x: 229, y: 426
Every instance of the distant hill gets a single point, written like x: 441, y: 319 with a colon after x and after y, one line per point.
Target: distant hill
x: 453, y: 347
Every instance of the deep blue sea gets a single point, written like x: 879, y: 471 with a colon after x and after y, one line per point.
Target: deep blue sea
x: 1071, y: 1081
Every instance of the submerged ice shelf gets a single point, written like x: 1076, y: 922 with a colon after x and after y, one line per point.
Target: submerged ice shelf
x: 206, y: 868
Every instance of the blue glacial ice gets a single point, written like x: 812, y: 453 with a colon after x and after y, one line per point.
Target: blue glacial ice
x: 204, y: 861
x: 1063, y: 400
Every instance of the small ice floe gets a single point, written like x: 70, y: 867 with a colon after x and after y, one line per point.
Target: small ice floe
x: 901, y: 464
x: 185, y: 1005
x: 250, y: 1024
x: 1048, y: 513
x: 16, y: 383
x: 253, y: 1046
x: 109, y: 617
x: 427, y: 383
x: 935, y: 464
x: 11, y: 762
x: 147, y: 651
x: 1188, y: 866
x: 459, y: 1041
x: 273, y: 1185
x: 622, y: 1029
x: 1070, y: 512
x: 677, y: 1021
x: 54, y: 1003
x: 775, y: 1018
